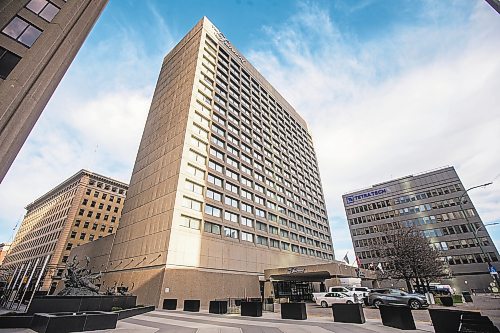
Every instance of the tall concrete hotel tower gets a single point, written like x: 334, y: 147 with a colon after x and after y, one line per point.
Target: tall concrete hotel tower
x: 225, y: 183
x: 38, y: 41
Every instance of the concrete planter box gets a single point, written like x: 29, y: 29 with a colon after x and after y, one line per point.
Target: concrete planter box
x: 397, y: 316
x: 217, y: 307
x: 170, y: 304
x: 71, y: 322
x: 192, y: 305
x: 348, y: 313
x: 295, y: 311
x: 122, y: 314
x: 52, y: 304
x: 251, y: 309
x: 15, y: 320
x: 446, y: 300
x: 448, y: 321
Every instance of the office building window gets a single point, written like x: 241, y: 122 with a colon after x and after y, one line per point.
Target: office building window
x: 22, y: 31
x: 43, y: 8
x: 8, y: 61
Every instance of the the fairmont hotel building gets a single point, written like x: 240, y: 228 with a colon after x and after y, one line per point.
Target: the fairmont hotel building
x: 429, y: 202
x: 225, y: 183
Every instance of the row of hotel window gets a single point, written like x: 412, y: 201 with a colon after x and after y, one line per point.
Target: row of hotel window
x: 420, y: 221
x: 241, y: 206
x: 24, y: 32
x: 251, y: 238
x: 244, y: 207
x: 236, y: 218
x: 405, y: 199
x: 86, y: 224
x: 440, y: 246
x: 199, y: 173
x: 271, y: 136
x: 452, y: 260
x: 206, y: 95
x: 265, y: 100
x: 260, y: 141
x: 405, y: 211
x: 308, y: 182
x: 310, y: 202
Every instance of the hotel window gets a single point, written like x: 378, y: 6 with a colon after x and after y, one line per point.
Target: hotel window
x: 212, y: 228
x: 285, y: 246
x: 82, y: 235
x: 273, y: 230
x: 246, y: 208
x: 231, y: 187
x: 261, y: 240
x: 94, y: 226
x: 246, y: 237
x: 232, y: 162
x: 232, y: 174
x: 81, y: 212
x: 231, y: 217
x: 191, y: 203
x: 211, y: 210
x: 190, y: 222
x: 8, y: 61
x: 261, y: 226
x: 214, y: 180
x: 86, y: 224
x: 214, y: 195
x: 216, y: 166
x: 247, y: 221
x: 69, y: 246
x: 216, y: 153
x: 230, y: 232
x: 231, y: 202
x: 22, y: 31
x: 274, y: 243
x: 191, y: 186
x: 73, y: 234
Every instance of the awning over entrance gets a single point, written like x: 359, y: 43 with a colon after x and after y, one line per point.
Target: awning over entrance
x: 317, y: 273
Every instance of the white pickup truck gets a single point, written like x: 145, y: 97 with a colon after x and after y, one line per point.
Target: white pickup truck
x: 336, y: 289
x: 360, y: 292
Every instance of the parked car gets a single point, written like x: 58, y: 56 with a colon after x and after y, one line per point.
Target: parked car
x: 361, y: 292
x: 377, y: 297
x: 330, y: 298
x: 336, y: 289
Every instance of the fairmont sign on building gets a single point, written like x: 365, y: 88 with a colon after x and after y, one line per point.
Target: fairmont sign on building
x: 226, y: 42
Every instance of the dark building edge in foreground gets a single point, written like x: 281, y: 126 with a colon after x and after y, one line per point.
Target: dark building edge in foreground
x: 33, y: 63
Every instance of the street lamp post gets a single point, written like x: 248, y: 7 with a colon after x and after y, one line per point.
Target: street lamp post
x: 475, y: 230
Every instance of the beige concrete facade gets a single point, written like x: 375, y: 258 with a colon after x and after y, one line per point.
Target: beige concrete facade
x: 31, y: 70
x: 85, y: 207
x: 225, y: 183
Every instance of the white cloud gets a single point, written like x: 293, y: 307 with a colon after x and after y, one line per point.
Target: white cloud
x: 422, y: 96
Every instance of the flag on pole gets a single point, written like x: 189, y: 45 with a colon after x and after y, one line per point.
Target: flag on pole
x: 379, y: 267
x: 346, y: 259
x: 358, y: 262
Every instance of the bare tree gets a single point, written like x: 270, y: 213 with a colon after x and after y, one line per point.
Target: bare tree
x: 410, y: 256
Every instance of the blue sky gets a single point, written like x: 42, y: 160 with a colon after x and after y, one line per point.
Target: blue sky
x: 388, y: 88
